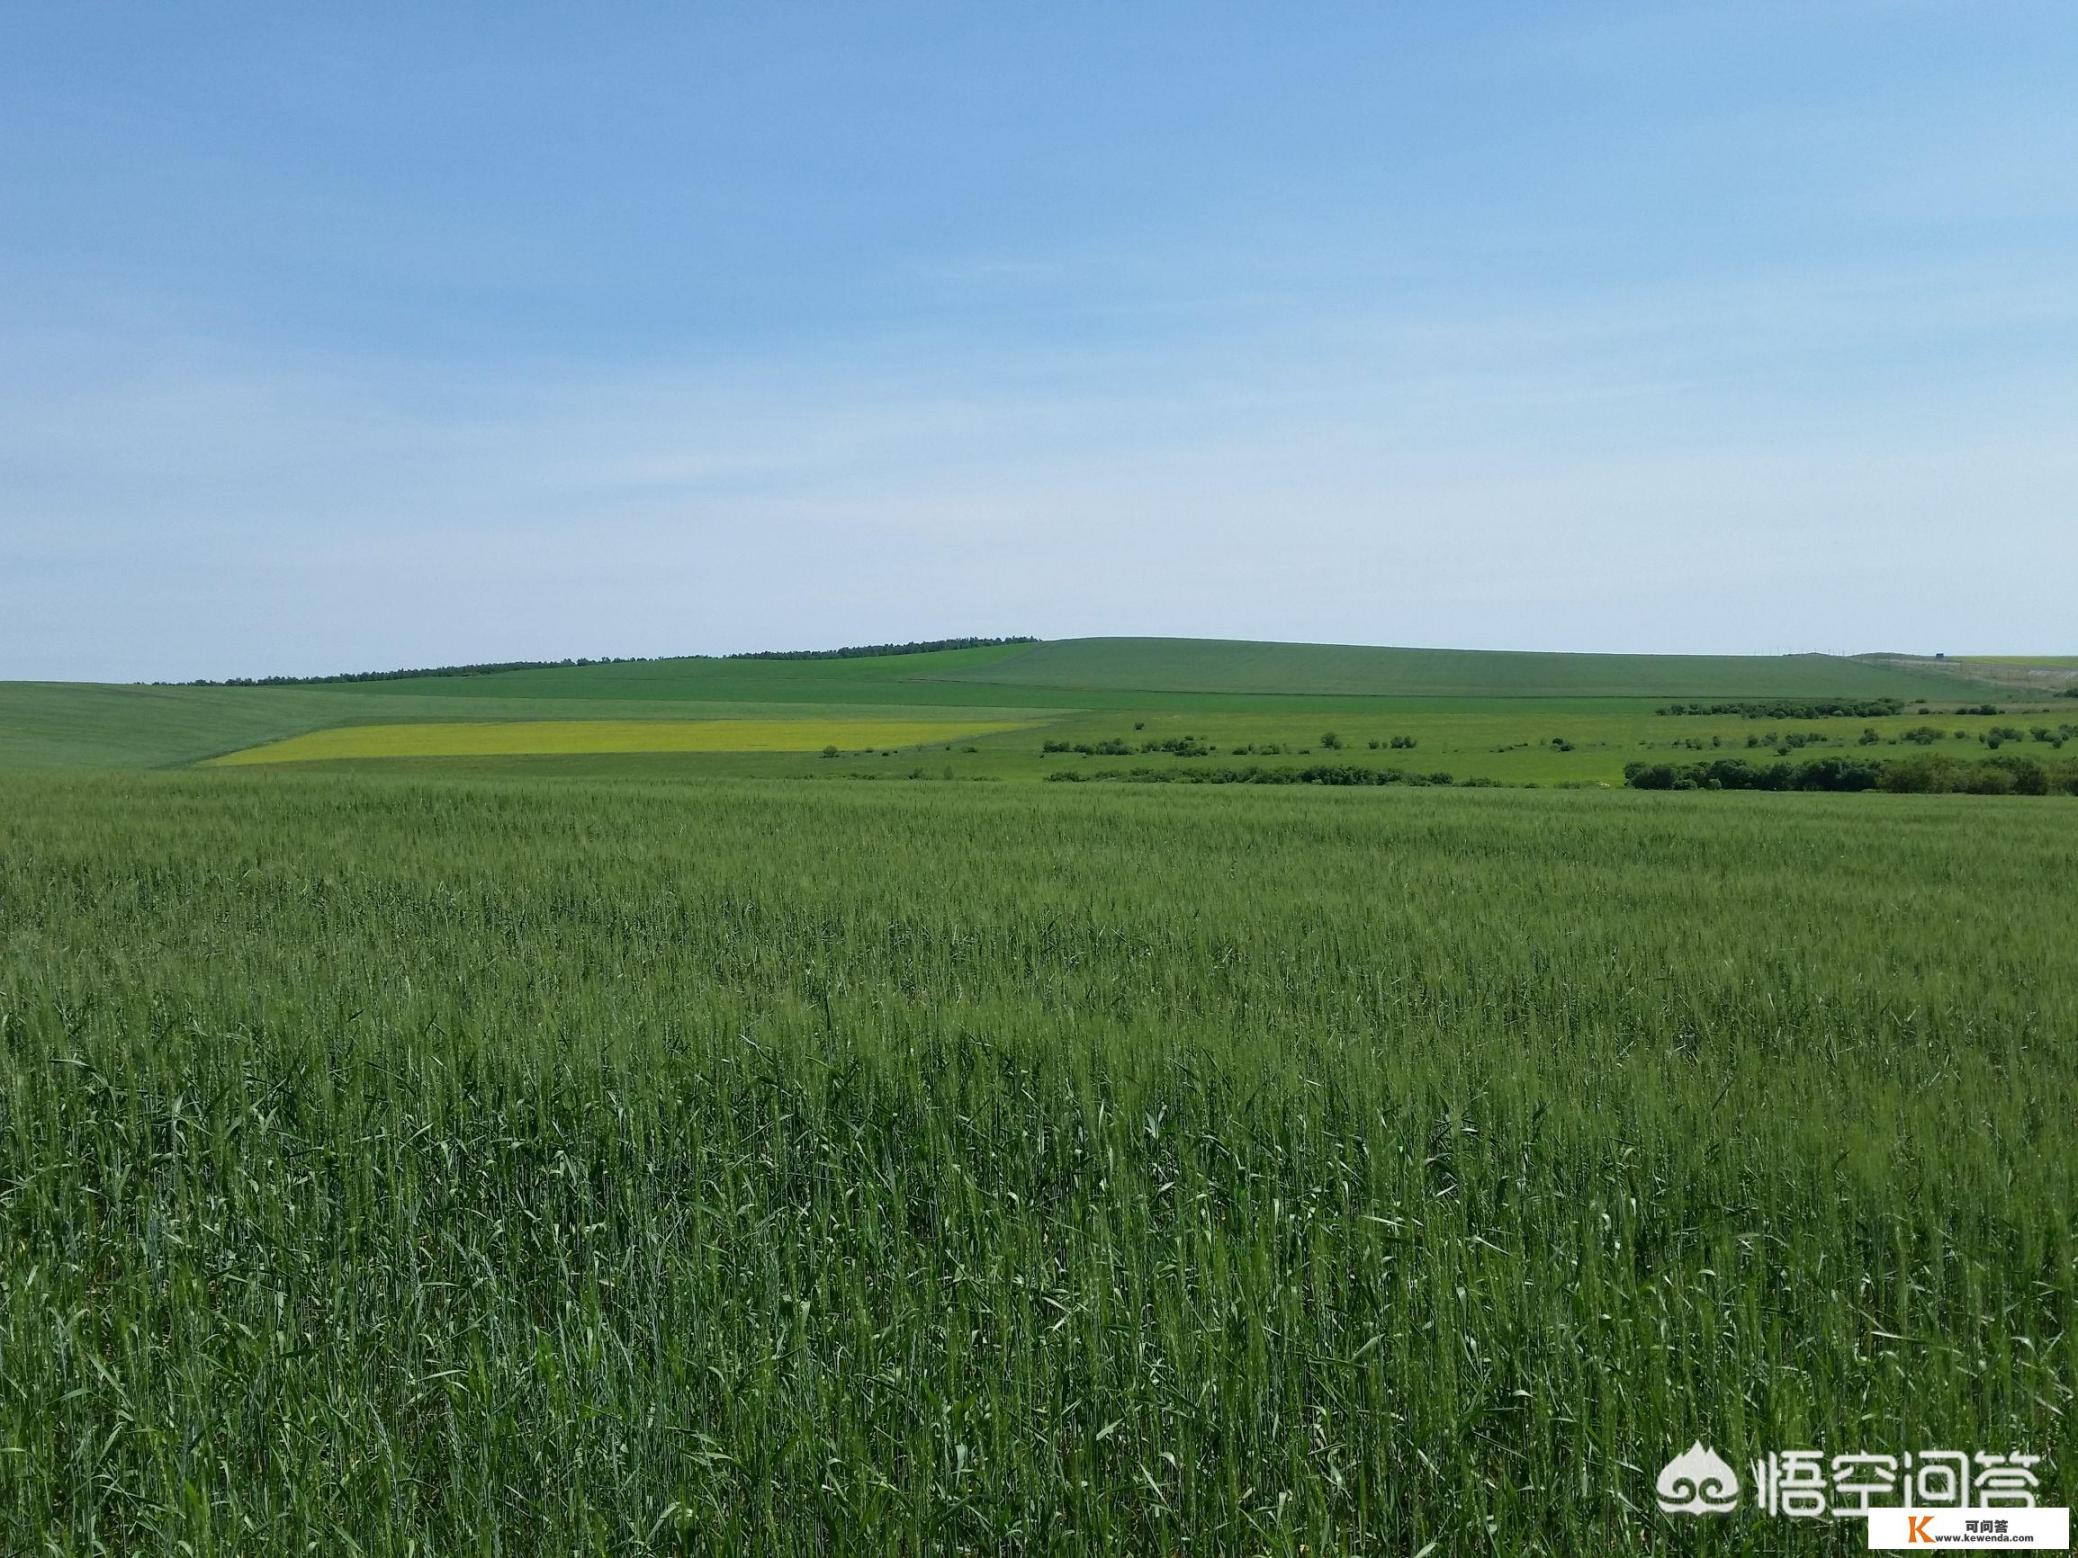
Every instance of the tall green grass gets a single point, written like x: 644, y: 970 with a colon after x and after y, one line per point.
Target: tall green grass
x: 443, y: 1166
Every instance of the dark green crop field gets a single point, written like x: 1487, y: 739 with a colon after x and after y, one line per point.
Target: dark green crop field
x: 396, y: 1164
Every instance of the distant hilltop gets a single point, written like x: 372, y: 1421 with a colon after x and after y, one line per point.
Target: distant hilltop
x: 922, y: 646
x: 2038, y: 673
x: 1251, y: 667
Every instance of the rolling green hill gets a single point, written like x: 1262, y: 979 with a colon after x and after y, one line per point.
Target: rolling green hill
x: 908, y: 678
x: 102, y: 725
x: 1094, y: 672
x: 2031, y: 674
x: 1233, y: 666
x: 1491, y: 703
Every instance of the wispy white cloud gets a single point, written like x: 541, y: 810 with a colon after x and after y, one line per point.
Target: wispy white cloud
x: 1701, y: 465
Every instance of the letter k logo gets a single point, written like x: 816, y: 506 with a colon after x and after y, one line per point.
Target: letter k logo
x: 1916, y: 1529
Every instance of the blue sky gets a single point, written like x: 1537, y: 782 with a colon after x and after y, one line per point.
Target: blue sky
x: 410, y: 335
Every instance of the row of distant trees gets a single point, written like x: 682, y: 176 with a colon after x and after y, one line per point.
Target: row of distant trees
x: 493, y: 667
x: 921, y: 646
x: 485, y: 668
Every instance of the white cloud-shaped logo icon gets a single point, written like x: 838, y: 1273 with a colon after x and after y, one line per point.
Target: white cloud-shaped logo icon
x: 1698, y: 1482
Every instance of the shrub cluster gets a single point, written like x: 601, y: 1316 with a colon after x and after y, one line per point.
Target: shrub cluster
x: 1922, y: 774
x: 1738, y: 773
x: 1335, y: 774
x: 1786, y: 742
x: 1115, y: 746
x: 1794, y: 708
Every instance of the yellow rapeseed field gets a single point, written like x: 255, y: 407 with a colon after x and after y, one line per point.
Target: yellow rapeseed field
x: 524, y: 737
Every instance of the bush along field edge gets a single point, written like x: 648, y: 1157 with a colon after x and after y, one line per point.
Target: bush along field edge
x: 1931, y: 773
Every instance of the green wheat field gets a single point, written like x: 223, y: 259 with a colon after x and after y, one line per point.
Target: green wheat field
x: 755, y: 1153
